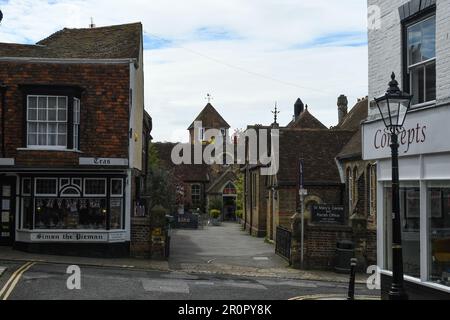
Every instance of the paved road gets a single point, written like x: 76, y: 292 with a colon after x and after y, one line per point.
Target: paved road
x: 226, y: 244
x: 49, y: 282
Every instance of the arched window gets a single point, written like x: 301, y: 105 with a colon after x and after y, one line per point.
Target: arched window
x: 355, y: 186
x: 70, y: 192
x: 230, y: 189
x: 350, y: 189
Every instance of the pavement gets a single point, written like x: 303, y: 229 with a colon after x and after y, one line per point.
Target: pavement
x: 225, y: 250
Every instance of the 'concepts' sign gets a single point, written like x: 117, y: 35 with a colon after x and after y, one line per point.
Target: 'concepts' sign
x: 424, y: 132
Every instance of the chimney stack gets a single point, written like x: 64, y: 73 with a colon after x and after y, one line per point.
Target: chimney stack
x: 342, y: 107
x: 299, y: 107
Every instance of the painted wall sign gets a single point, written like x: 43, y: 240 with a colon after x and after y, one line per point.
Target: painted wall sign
x: 103, y: 162
x: 424, y: 132
x: 328, y: 214
x: 85, y: 237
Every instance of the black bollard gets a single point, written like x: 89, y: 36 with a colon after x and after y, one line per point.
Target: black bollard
x: 351, y: 287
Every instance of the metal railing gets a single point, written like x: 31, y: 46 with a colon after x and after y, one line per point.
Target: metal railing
x: 283, y: 243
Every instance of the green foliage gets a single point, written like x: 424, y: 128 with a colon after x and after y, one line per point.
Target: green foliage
x: 240, y: 213
x: 161, y: 190
x: 153, y: 157
x: 216, y: 204
x: 214, y: 213
x: 158, y: 216
x: 239, y: 183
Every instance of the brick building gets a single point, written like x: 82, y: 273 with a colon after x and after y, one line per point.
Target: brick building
x: 73, y: 140
x: 200, y: 183
x: 273, y: 202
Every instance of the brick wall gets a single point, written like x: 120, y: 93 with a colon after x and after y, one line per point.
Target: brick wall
x: 104, y: 109
x: 140, y: 246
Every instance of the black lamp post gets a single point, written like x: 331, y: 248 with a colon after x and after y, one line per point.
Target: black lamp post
x: 393, y: 107
x: 1, y: 16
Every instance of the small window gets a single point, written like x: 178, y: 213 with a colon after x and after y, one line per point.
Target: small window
x: 46, y: 186
x: 95, y: 187
x: 196, y: 193
x: 201, y: 134
x: 117, y: 187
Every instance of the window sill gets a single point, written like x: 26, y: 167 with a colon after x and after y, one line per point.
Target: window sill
x: 49, y: 149
x: 423, y: 105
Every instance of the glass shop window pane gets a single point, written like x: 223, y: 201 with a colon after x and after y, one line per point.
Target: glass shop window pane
x: 117, y: 187
x: 439, y: 234
x: 27, y: 213
x: 116, y: 214
x: 410, y: 224
x: 93, y: 213
x: 26, y: 186
x: 46, y: 186
x: 95, y: 187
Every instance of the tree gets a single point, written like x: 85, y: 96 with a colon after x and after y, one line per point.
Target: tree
x: 161, y: 186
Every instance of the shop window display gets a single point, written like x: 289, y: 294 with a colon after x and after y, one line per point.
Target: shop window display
x: 410, y: 222
x: 69, y: 207
x: 439, y: 233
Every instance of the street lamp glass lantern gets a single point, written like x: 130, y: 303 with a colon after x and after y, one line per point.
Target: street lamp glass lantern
x: 394, y: 106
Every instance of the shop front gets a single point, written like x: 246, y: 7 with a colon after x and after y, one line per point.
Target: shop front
x: 69, y: 214
x: 424, y: 201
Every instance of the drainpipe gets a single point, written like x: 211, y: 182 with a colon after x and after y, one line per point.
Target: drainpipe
x: 3, y: 89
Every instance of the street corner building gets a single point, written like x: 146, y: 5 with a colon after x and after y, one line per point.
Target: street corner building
x: 334, y: 210
x: 73, y: 139
x: 412, y: 41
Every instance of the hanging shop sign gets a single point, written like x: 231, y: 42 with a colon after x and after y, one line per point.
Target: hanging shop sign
x: 328, y: 214
x: 103, y: 162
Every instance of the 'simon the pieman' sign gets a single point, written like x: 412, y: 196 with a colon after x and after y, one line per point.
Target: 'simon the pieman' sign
x: 328, y: 214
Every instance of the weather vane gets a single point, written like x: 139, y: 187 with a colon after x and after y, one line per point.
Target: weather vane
x: 209, y: 98
x: 276, y: 112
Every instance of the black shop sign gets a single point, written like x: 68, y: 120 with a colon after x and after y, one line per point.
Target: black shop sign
x: 328, y: 214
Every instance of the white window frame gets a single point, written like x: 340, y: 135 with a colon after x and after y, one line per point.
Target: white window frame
x: 422, y: 64
x: 37, y: 122
x: 94, y: 195
x: 45, y: 194
x: 76, y: 123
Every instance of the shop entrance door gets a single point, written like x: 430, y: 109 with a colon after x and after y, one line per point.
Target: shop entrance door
x: 7, y: 206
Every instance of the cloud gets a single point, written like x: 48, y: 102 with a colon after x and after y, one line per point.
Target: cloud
x: 247, y: 54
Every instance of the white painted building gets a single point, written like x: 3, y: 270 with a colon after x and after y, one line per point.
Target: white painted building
x: 412, y: 38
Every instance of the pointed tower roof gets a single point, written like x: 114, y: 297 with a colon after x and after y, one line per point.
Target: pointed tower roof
x: 210, y: 118
x: 307, y: 121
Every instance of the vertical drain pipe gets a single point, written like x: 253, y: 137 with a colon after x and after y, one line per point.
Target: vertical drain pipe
x: 3, y: 89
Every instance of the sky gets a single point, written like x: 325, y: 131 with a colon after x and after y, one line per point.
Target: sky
x: 248, y: 54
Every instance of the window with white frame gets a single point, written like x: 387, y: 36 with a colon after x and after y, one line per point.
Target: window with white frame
x: 76, y: 124
x: 196, y: 195
x: 201, y: 134
x: 421, y: 59
x: 47, y: 121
